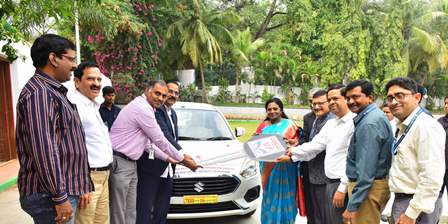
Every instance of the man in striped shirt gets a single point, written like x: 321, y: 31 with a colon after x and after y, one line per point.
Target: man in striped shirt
x: 52, y: 153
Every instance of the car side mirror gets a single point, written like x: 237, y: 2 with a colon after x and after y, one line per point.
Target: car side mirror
x: 239, y: 131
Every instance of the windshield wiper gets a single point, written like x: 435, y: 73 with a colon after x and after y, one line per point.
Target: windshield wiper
x: 188, y: 138
x: 217, y: 138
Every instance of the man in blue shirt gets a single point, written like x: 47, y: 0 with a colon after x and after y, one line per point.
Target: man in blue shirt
x: 369, y: 156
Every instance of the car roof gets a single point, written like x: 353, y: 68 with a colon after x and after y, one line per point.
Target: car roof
x: 194, y: 106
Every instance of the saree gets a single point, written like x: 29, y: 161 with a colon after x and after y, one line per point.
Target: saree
x: 279, y: 181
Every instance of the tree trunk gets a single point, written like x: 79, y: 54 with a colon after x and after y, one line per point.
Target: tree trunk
x: 237, y: 84
x: 267, y: 20
x: 204, y: 91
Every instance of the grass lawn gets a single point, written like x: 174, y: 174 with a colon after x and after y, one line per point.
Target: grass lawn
x: 249, y: 125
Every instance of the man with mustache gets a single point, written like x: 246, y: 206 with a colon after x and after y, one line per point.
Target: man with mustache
x: 333, y: 138
x: 134, y: 131
x: 316, y: 171
x: 155, y: 176
x: 50, y: 141
x: 93, y: 207
x: 418, y: 161
x: 368, y: 157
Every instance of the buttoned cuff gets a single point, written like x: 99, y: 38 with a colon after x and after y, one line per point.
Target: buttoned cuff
x: 352, y: 207
x: 342, y: 187
x: 59, y: 198
x: 295, y: 158
x: 412, y: 212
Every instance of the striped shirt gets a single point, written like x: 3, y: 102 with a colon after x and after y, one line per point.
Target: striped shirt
x: 50, y: 142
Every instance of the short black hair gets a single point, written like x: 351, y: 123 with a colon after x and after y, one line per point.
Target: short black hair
x: 173, y: 81
x: 108, y: 90
x: 341, y: 87
x: 319, y: 93
x: 47, y: 43
x: 153, y: 83
x: 403, y: 82
x: 446, y: 97
x: 279, y: 103
x: 366, y: 87
x: 79, y: 71
x: 384, y: 105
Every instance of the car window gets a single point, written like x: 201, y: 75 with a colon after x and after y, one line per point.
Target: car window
x: 202, y: 125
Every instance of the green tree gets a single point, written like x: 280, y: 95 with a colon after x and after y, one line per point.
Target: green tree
x: 242, y: 48
x: 199, y: 36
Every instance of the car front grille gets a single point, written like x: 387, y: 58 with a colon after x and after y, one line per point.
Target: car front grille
x: 221, y: 206
x: 201, y: 186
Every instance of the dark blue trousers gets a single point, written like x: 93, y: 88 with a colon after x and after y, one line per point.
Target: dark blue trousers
x: 153, y: 198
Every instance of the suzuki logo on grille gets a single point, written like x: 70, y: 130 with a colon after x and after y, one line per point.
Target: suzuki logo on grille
x: 198, y: 187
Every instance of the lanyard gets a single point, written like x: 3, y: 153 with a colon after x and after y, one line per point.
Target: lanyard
x: 397, y: 143
x: 364, y: 114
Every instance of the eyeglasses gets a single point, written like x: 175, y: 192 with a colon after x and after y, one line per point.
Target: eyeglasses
x: 71, y: 59
x: 397, y: 97
x: 173, y: 92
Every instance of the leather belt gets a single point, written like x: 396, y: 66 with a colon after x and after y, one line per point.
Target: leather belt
x: 121, y: 155
x: 100, y: 168
x: 376, y: 178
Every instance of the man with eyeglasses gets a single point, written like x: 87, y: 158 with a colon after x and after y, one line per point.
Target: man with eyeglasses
x: 316, y: 171
x: 155, y: 176
x: 368, y: 157
x: 51, y: 147
x: 418, y: 161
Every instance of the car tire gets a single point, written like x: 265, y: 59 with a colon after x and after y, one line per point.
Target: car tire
x: 250, y: 213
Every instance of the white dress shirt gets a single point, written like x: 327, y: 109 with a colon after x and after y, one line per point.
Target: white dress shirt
x: 99, y: 147
x: 419, y: 165
x: 334, y: 138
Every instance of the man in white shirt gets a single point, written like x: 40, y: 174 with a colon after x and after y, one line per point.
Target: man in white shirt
x: 334, y: 138
x: 418, y: 162
x: 93, y: 207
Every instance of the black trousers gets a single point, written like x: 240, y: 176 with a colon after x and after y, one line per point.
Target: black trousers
x: 153, y: 198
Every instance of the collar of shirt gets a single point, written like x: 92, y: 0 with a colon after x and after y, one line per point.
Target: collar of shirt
x: 346, y: 118
x: 51, y: 81
x: 408, y: 119
x: 86, y: 101
x: 363, y: 113
x: 168, y: 109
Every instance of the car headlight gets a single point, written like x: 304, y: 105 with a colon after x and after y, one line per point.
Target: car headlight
x: 249, y: 168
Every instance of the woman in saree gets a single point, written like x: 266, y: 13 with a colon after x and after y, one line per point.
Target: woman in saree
x: 279, y: 180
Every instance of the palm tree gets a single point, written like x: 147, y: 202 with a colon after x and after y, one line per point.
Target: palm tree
x: 200, y: 36
x: 425, y: 50
x: 242, y: 49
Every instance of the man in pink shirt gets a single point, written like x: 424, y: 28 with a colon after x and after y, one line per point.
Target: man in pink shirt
x: 134, y: 131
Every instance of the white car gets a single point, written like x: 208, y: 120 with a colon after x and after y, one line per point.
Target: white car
x: 224, y: 189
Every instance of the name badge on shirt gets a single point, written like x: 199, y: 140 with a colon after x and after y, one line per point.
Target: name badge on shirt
x: 151, y: 154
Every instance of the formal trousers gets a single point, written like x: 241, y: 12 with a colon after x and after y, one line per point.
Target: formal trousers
x: 332, y: 214
x: 401, y: 203
x: 97, y: 211
x: 318, y: 202
x: 153, y: 198
x: 123, y: 191
x: 369, y: 212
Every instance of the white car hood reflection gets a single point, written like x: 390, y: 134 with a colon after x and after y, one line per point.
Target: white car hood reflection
x: 202, y: 150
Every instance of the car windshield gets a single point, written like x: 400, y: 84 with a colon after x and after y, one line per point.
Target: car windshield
x: 202, y: 125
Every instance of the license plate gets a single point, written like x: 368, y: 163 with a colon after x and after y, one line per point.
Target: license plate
x: 200, y: 199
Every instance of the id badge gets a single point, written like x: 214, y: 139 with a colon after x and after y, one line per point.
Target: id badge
x: 151, y: 154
